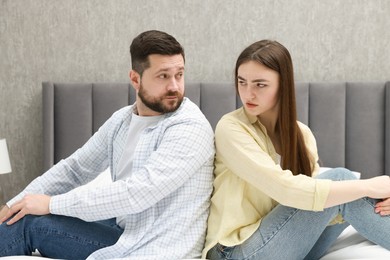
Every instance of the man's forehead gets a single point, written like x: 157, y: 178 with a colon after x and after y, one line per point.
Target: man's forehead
x: 166, y: 62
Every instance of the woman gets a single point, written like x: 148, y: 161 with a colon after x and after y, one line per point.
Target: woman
x: 268, y: 202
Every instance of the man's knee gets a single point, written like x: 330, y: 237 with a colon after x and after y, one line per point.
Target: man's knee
x: 31, y: 221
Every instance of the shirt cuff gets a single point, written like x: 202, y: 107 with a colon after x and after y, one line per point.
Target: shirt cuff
x: 321, y: 194
x: 15, y: 199
x: 60, y: 205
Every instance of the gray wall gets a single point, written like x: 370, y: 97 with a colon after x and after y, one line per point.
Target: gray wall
x: 88, y: 41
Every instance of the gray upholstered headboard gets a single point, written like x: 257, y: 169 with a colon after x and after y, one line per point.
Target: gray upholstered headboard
x: 351, y: 120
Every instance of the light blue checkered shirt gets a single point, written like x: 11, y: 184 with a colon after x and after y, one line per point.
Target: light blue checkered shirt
x: 166, y: 196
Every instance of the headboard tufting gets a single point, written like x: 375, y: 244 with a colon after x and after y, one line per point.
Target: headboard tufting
x: 351, y: 120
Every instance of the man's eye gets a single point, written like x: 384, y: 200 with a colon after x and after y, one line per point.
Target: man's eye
x: 180, y: 75
x: 163, y: 76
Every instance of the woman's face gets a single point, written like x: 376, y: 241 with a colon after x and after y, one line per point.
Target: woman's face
x: 258, y: 88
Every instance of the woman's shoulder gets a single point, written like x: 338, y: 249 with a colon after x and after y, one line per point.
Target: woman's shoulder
x: 306, y: 133
x: 234, y: 122
x: 234, y: 116
x: 233, y: 119
x: 303, y: 127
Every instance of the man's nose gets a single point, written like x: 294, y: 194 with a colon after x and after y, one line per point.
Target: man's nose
x: 173, y: 85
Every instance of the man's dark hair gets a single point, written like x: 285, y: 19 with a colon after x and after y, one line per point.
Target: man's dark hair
x: 152, y: 42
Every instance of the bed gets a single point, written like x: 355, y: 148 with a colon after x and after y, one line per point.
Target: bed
x: 351, y: 122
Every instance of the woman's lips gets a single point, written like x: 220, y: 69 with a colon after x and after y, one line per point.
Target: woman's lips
x: 250, y: 105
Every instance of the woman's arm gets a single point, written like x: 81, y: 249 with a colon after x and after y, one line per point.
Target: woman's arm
x: 347, y: 191
x: 242, y: 153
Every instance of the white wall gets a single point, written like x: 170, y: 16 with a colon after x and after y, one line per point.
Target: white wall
x: 88, y: 41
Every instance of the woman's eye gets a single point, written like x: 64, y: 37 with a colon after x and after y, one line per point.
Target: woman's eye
x: 260, y: 85
x: 241, y: 83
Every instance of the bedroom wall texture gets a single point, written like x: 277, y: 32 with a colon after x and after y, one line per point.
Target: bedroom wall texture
x: 88, y: 41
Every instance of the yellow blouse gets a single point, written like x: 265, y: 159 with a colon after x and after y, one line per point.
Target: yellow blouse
x: 249, y: 182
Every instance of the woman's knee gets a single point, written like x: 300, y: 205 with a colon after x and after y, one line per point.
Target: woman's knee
x: 338, y: 174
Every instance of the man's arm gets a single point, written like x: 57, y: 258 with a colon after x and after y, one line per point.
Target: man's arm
x: 79, y: 168
x: 183, y: 150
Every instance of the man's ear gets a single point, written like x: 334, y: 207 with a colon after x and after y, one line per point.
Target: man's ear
x: 135, y: 79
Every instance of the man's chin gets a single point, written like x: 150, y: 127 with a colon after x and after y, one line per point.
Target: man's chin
x: 172, y: 105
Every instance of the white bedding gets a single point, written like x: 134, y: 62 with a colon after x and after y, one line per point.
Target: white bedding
x: 349, y: 245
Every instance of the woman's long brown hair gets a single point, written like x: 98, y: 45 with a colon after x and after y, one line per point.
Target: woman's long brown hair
x: 275, y: 56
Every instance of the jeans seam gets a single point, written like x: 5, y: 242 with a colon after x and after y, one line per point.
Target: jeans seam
x: 273, y: 234
x: 55, y: 232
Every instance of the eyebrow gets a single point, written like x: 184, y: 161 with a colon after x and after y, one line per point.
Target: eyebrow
x: 254, y: 81
x: 181, y: 68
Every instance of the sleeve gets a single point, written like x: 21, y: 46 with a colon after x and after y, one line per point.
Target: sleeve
x: 79, y: 168
x: 245, y: 154
x: 184, y: 150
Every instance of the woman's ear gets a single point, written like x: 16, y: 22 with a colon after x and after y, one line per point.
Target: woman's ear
x: 135, y: 79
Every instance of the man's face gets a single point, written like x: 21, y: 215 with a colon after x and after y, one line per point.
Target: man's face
x: 161, y: 88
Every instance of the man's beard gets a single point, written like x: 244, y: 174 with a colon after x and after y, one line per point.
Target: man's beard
x: 156, y: 103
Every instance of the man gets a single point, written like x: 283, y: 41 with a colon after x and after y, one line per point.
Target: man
x: 160, y: 151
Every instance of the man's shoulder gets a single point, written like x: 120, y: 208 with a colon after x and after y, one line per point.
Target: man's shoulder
x: 189, y: 109
x: 188, y: 114
x: 124, y: 110
x: 119, y: 117
x: 122, y: 113
x: 188, y: 104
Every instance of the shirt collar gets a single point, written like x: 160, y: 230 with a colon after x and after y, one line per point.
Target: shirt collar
x: 255, y: 120
x: 252, y: 119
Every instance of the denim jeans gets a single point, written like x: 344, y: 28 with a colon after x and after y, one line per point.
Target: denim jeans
x: 57, y: 236
x: 289, y: 233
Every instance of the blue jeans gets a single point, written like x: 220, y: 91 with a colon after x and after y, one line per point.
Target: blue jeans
x: 289, y: 233
x: 57, y: 236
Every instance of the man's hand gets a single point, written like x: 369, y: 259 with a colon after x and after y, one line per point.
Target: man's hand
x: 3, y: 211
x: 34, y: 204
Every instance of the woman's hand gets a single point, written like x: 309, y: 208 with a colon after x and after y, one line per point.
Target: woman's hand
x: 34, y: 204
x: 380, y: 190
x: 383, y: 207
